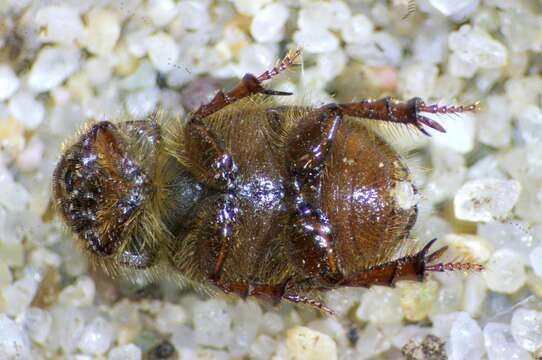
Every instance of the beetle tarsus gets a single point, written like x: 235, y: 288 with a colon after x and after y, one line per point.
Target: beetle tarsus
x: 444, y: 267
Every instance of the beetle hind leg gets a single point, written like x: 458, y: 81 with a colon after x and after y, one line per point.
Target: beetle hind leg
x: 408, y: 113
x: 414, y: 267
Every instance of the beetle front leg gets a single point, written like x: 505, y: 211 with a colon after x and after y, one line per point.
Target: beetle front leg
x: 409, y: 113
x: 249, y: 85
x: 208, y: 158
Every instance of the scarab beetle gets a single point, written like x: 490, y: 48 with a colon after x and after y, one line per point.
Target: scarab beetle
x: 252, y: 197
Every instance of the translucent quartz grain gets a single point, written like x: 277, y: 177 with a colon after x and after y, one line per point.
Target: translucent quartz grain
x: 382, y: 49
x: 162, y: 50
x: 477, y: 47
x: 460, y: 68
x: 474, y: 294
x: 263, y: 347
x: 249, y: 7
x: 161, y: 12
x: 37, y: 324
x: 9, y: 83
x: 459, y: 136
x: 418, y: 79
x: 97, y: 337
x: 80, y: 293
x: 448, y: 175
x: 18, y: 296
x: 31, y: 157
x: 13, y: 342
x: 315, y: 15
x: 417, y: 299
x: 522, y: 92
x: 268, y: 24
x: 305, y: 343
x: 505, y: 272
x: 125, y: 352
x: 272, y: 323
x: 500, y: 344
x: 530, y: 125
x: 535, y: 258
x: 476, y: 249
x: 372, y: 341
x: 451, y: 7
x: 102, y: 31
x: 331, y: 64
x: 317, y: 40
x: 380, y: 305
x: 68, y: 326
x: 521, y: 28
x: 332, y: 327
x: 194, y: 15
x: 357, y: 30
x: 24, y: 107
x: 143, y: 77
x: 486, y: 199
x: 52, y: 66
x: 514, y: 235
x: 212, y: 323
x: 526, y: 327
x: 59, y: 24
x: 246, y: 319
x: 142, y: 102
x: 431, y: 43
x: 466, y: 339
x: 169, y: 316
x: 495, y: 120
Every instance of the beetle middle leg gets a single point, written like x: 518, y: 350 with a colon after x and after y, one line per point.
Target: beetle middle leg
x: 311, y: 244
x: 273, y: 292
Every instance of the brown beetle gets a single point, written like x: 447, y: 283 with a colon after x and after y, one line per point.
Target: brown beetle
x: 254, y: 198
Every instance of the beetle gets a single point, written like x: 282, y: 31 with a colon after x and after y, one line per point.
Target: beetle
x: 254, y: 198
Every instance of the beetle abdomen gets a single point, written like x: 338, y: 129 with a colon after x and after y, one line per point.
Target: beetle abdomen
x: 358, y: 190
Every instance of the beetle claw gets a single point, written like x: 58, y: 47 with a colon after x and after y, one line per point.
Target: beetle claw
x: 431, y: 123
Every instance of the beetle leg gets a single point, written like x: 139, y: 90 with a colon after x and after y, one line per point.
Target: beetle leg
x: 249, y: 85
x: 210, y: 239
x: 208, y: 157
x: 312, y: 248
x: 312, y: 244
x: 309, y: 142
x: 414, y: 267
x: 220, y: 236
x: 270, y: 293
x: 410, y: 112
